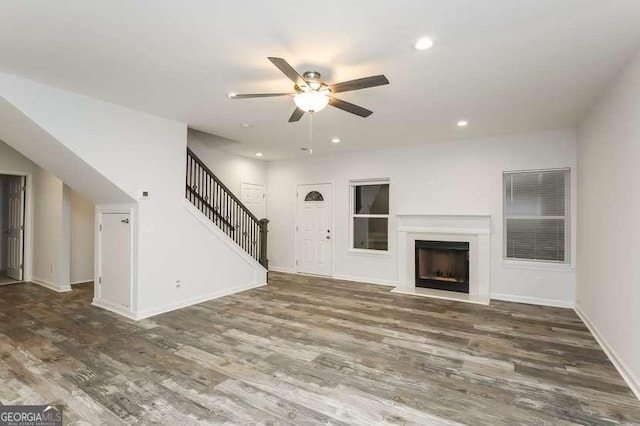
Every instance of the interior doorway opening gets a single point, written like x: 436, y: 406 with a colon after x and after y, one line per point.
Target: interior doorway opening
x: 12, y: 226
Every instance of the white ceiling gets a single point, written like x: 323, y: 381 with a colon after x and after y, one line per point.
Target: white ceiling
x: 505, y: 65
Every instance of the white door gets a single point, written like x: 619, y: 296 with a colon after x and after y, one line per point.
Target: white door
x: 254, y: 196
x: 314, y: 229
x: 15, y: 228
x: 115, y: 258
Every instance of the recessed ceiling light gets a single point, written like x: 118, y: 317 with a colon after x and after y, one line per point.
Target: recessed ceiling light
x: 335, y: 140
x: 423, y: 43
x: 258, y: 154
x: 463, y: 123
x: 245, y: 125
x: 231, y: 95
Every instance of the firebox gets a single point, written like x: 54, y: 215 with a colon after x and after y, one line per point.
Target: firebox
x: 443, y: 265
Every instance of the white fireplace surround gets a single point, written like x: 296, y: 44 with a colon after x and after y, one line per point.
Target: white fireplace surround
x: 474, y: 229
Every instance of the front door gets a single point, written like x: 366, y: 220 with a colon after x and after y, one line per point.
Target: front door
x: 313, y: 229
x: 253, y: 196
x: 115, y: 258
x: 15, y: 228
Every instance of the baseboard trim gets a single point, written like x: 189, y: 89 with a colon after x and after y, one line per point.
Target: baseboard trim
x: 386, y: 283
x: 82, y: 281
x: 115, y: 308
x: 625, y: 372
x: 50, y: 285
x: 533, y: 300
x: 283, y: 270
x: 195, y: 300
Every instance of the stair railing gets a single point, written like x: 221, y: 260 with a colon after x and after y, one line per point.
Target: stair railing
x: 225, y: 210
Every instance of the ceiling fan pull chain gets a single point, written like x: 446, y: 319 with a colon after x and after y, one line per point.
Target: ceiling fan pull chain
x: 310, y: 132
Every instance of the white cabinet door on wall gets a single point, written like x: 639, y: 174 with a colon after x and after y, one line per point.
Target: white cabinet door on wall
x: 115, y: 258
x: 314, y: 229
x: 254, y: 196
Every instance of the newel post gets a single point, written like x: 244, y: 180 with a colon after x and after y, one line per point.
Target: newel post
x: 263, y: 243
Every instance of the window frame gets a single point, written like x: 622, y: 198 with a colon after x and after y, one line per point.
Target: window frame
x: 352, y: 198
x: 566, y: 218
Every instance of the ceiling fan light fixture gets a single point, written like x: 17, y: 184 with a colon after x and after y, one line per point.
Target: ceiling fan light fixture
x: 312, y: 101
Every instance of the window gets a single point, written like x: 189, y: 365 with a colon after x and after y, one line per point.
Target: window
x: 314, y: 196
x: 536, y: 215
x: 370, y: 215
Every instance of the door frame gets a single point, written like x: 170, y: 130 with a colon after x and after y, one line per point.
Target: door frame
x: 331, y: 222
x: 128, y: 311
x: 266, y: 194
x: 27, y: 235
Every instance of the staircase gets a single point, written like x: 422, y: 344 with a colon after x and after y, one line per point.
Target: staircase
x: 218, y: 203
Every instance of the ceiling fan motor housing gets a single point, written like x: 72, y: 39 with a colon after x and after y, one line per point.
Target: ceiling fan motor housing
x: 313, y: 80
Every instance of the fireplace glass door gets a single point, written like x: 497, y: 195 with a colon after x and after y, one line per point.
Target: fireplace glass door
x: 443, y: 265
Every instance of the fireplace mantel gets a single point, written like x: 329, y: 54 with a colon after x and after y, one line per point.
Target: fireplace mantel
x: 474, y: 229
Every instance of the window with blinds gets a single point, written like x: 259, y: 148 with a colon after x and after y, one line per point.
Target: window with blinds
x: 536, y: 215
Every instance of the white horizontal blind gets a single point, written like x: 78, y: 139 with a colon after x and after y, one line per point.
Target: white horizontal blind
x: 536, y: 215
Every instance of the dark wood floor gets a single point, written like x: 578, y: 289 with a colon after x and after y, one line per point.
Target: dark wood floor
x: 308, y: 351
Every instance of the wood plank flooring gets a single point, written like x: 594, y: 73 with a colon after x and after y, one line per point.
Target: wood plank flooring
x: 305, y: 351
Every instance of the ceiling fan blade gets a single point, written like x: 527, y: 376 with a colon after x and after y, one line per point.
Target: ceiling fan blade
x: 296, y: 116
x: 289, y: 71
x: 258, y: 95
x: 360, y: 83
x: 349, y: 107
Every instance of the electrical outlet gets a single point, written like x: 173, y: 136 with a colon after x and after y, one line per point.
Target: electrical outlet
x: 178, y: 284
x: 51, y: 269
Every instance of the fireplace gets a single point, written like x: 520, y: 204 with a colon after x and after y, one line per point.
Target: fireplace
x: 443, y: 265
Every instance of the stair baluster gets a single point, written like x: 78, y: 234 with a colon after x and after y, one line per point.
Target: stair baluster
x: 225, y: 210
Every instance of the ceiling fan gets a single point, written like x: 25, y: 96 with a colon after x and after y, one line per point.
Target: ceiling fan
x: 311, y: 94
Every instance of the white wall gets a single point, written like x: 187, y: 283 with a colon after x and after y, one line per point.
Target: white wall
x: 12, y: 162
x: 82, y: 238
x: 231, y: 169
x: 32, y: 141
x: 3, y: 224
x: 132, y: 151
x: 458, y: 177
x: 608, y: 276
x: 50, y: 251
